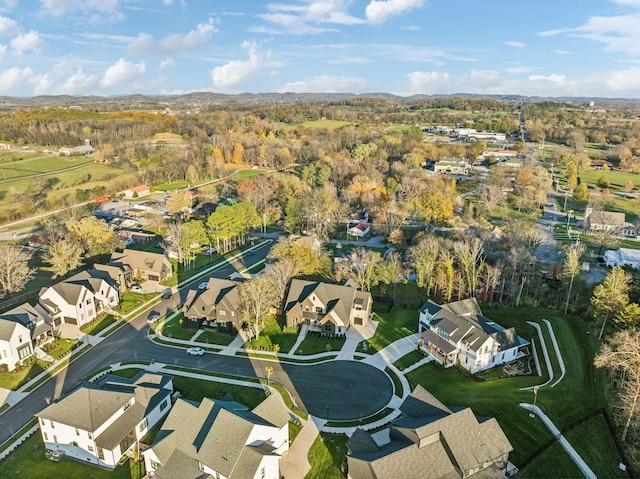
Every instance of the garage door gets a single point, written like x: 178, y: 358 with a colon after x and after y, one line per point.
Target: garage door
x: 154, y: 277
x: 358, y: 321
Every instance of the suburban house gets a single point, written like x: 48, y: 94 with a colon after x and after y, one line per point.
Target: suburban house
x: 112, y: 273
x: 137, y: 191
x: 142, y: 265
x: 85, y: 149
x: 326, y: 308
x: 220, y: 439
x: 79, y: 299
x: 99, y: 423
x: 15, y: 344
x: 498, y: 154
x: 609, y: 221
x: 358, y: 216
x: 218, y: 306
x: 35, y: 319
x: 458, y: 333
x: 430, y: 440
x: 601, y: 164
x: 359, y: 230
x: 452, y: 166
x: 622, y: 257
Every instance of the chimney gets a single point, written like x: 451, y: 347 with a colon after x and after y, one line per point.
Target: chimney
x: 87, y: 142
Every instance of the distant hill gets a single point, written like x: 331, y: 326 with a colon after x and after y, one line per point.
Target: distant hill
x: 156, y: 101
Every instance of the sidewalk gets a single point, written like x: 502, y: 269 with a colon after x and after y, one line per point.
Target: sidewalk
x: 393, y: 352
x: 355, y: 335
x: 295, y: 463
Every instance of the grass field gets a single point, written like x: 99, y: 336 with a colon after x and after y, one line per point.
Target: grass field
x: 272, y: 334
x: 197, y: 389
x: 173, y: 329
x: 324, y: 124
x: 327, y: 457
x: 315, y: 344
x: 409, y: 360
x: 392, y: 326
x: 617, y: 179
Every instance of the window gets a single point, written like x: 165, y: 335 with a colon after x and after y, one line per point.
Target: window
x: 262, y: 473
x: 90, y: 448
x: 90, y: 435
x: 90, y: 313
x: 143, y: 424
x: 80, y: 306
x: 46, y: 436
x: 222, y: 313
x: 318, y: 309
x: 88, y: 301
x: 52, y: 425
x: 77, y: 432
x: 19, y: 339
x: 127, y: 405
x: 154, y: 465
x: 164, y: 404
x: 327, y: 327
x: 42, y: 421
x: 75, y: 443
x: 101, y: 453
x: 55, y: 439
x: 233, y: 313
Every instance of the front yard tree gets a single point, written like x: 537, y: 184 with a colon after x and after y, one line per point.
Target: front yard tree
x: 258, y: 295
x: 362, y: 268
x: 611, y: 296
x: 63, y: 256
x: 621, y: 355
x: 14, y: 268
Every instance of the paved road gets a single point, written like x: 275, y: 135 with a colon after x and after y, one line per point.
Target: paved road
x: 350, y: 389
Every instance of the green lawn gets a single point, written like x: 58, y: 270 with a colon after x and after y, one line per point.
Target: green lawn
x: 327, y: 457
x: 127, y: 373
x: 617, y: 179
x: 294, y: 430
x: 130, y: 301
x: 392, y: 326
x: 315, y: 344
x: 552, y: 463
x: 29, y: 461
x: 397, y: 385
x: 173, y: 329
x: 98, y: 325
x: 212, y: 337
x: 592, y: 440
x: 197, y: 389
x: 13, y: 380
x: 409, y: 360
x: 61, y: 347
x: 272, y: 334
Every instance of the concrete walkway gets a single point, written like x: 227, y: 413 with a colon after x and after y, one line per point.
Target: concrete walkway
x: 584, y: 468
x: 295, y: 462
x: 355, y: 335
x: 393, y: 352
x: 301, y: 335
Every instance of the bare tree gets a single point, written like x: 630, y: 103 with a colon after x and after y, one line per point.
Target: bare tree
x: 258, y: 295
x: 621, y: 354
x: 469, y: 255
x: 571, y: 269
x: 280, y: 273
x: 424, y: 256
x: 361, y: 268
x: 63, y: 256
x: 14, y: 268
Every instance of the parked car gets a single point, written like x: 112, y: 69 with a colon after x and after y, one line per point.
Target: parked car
x: 195, y: 351
x: 153, y: 317
x: 167, y: 293
x: 203, y: 285
x: 135, y: 288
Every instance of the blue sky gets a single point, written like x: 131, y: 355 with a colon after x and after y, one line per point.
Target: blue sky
x: 405, y: 47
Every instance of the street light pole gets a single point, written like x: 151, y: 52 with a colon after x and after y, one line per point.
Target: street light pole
x: 535, y: 397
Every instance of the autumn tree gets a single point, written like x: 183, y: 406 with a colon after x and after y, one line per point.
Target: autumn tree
x: 192, y: 238
x: 93, y: 235
x: 307, y: 253
x: 611, y: 296
x: 15, y: 272
x: 63, y: 256
x: 424, y: 256
x: 179, y: 202
x: 581, y: 193
x: 468, y: 254
x: 361, y: 268
x: 258, y: 295
x: 392, y: 271
x: 571, y: 269
x: 237, y: 157
x: 621, y: 356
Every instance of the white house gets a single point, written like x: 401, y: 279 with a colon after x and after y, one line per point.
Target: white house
x: 15, y: 344
x: 359, y: 230
x: 99, y: 423
x: 622, y: 257
x: 220, y: 439
x: 458, y: 333
x: 79, y: 299
x: 35, y: 319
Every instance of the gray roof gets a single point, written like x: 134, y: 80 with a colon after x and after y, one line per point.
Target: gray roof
x: 214, y: 433
x: 219, y: 293
x: 92, y: 404
x: 7, y: 328
x: 450, y: 444
x: 142, y: 260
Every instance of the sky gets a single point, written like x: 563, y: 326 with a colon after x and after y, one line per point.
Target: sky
x: 404, y: 47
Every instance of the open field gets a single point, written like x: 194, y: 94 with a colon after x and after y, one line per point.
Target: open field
x: 325, y: 124
x: 617, y: 179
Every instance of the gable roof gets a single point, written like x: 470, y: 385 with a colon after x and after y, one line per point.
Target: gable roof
x: 141, y: 260
x: 451, y: 444
x: 7, y: 329
x: 139, y: 188
x: 218, y: 293
x: 214, y: 433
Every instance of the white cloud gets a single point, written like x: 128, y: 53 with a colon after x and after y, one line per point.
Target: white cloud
x: 167, y: 62
x: 235, y: 72
x: 16, y: 80
x: 58, y: 8
x: 173, y: 43
x: 8, y: 26
x: 326, y: 84
x: 304, y: 17
x: 122, y: 72
x: 379, y: 11
x: 625, y: 81
x: 519, y: 45
x: 518, y: 69
x: 30, y: 41
x: 562, y: 52
x: 3, y: 52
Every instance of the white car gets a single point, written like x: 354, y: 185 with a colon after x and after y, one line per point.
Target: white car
x: 195, y: 351
x: 153, y: 317
x: 136, y: 288
x: 203, y: 285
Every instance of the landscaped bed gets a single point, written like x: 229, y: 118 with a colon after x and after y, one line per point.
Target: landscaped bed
x: 274, y: 333
x: 317, y: 344
x: 98, y: 325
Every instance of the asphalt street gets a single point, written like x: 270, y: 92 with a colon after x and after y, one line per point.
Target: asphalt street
x: 338, y: 390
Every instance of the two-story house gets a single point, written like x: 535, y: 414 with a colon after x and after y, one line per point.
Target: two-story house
x: 458, y: 333
x: 220, y: 439
x: 78, y: 300
x: 142, y: 265
x: 99, y: 423
x: 326, y: 308
x: 15, y: 344
x: 219, y: 305
x: 430, y: 440
x: 35, y: 319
